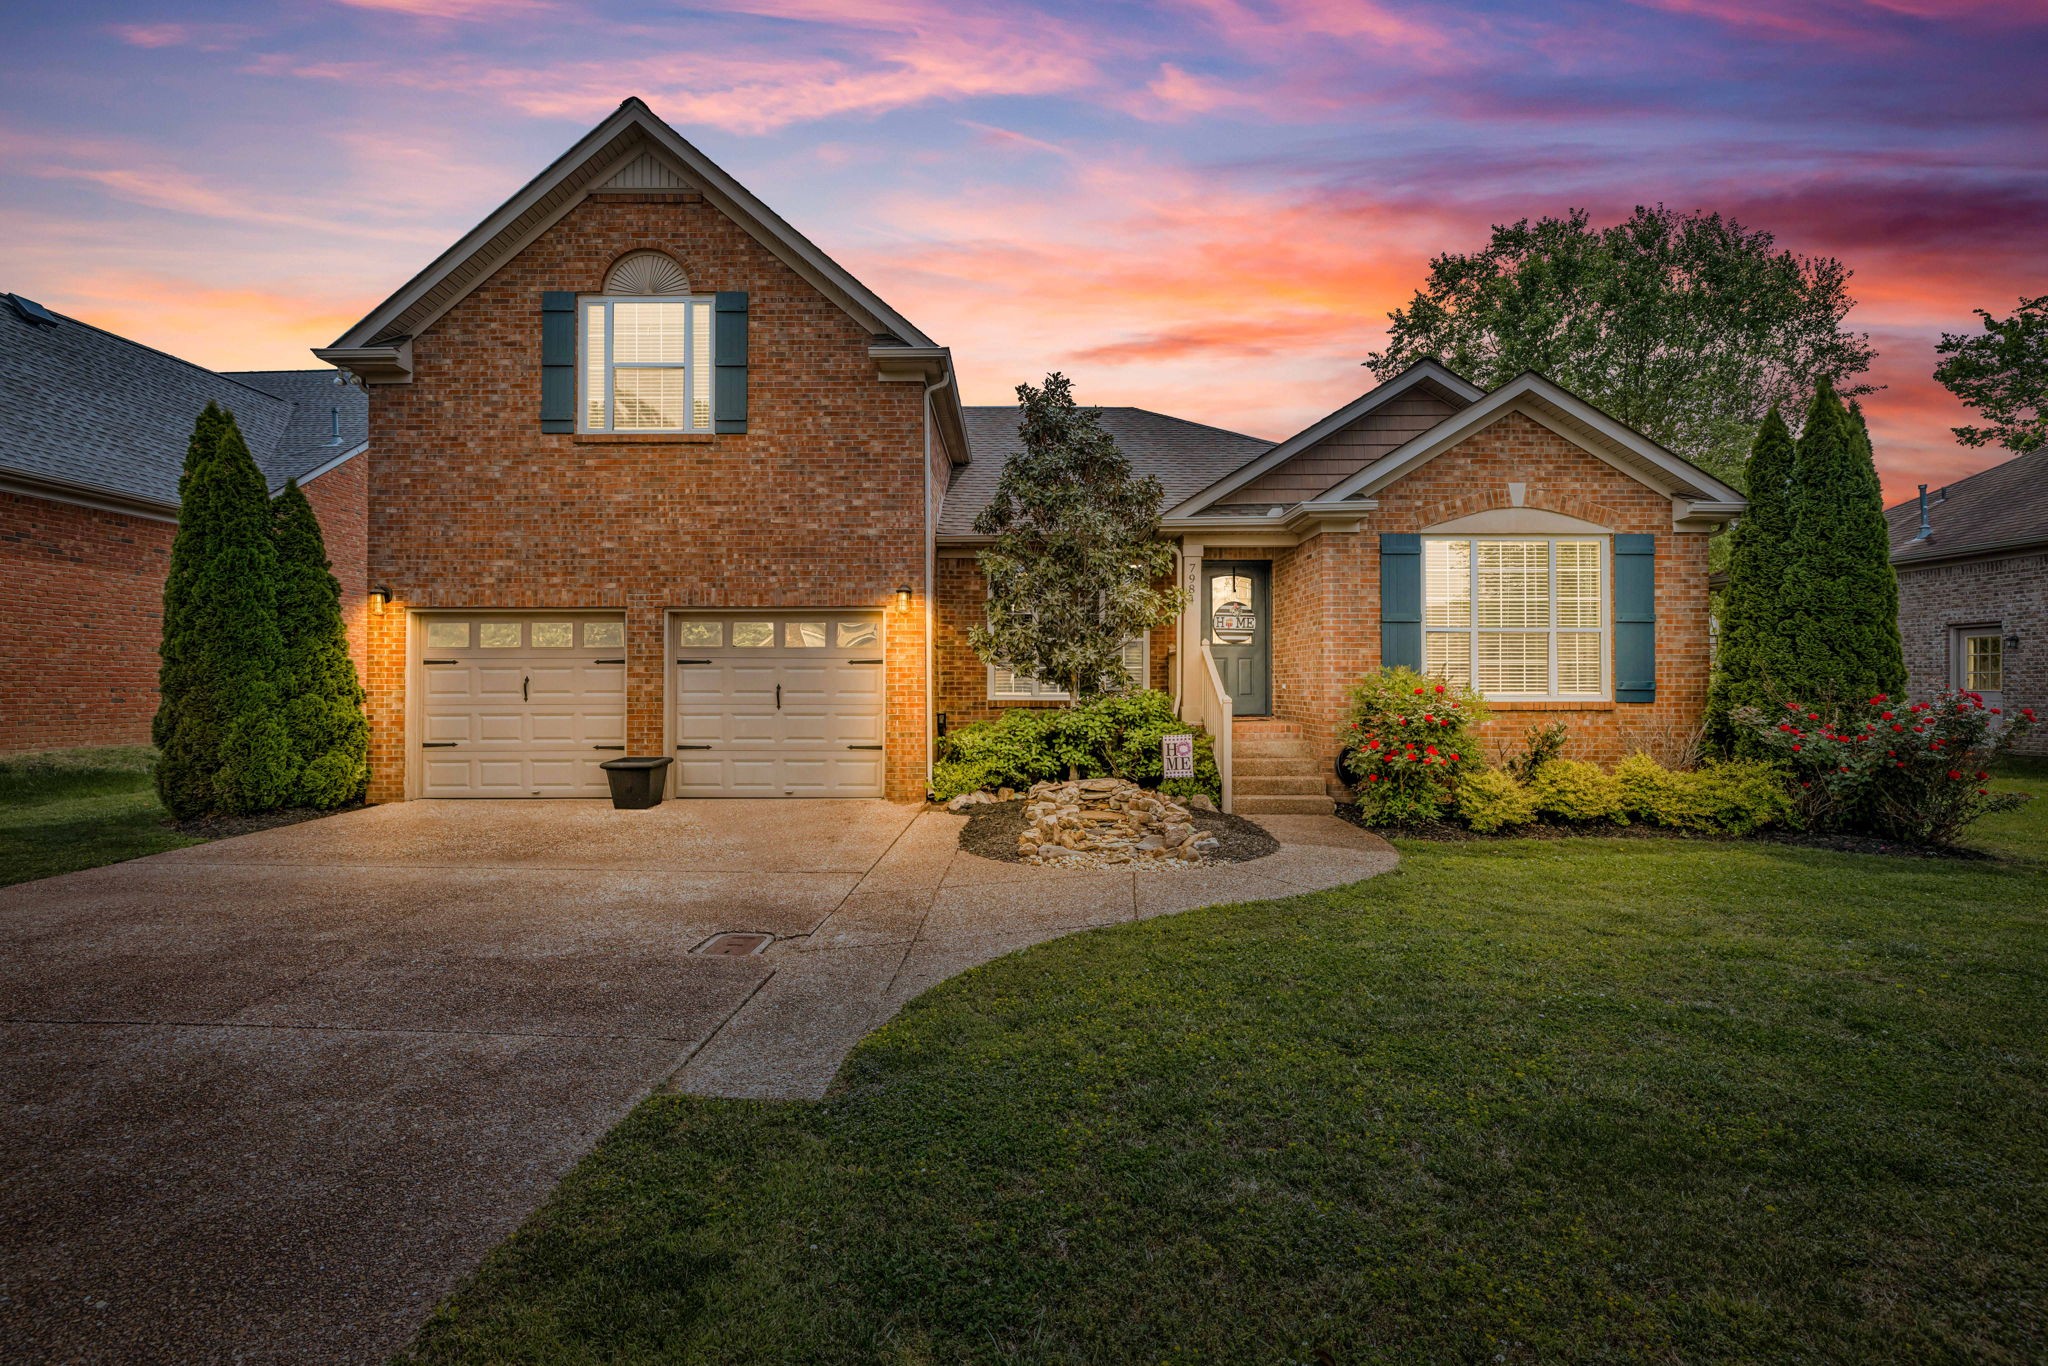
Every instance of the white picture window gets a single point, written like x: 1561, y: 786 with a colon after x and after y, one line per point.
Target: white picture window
x: 1005, y: 686
x: 1517, y: 618
x: 645, y: 365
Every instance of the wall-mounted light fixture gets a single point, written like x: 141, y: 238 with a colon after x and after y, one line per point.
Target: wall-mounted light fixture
x: 379, y: 596
x: 903, y: 599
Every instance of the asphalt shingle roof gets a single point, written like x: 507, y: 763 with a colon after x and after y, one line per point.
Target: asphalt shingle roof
x: 84, y: 407
x: 2004, y: 506
x: 1186, y: 457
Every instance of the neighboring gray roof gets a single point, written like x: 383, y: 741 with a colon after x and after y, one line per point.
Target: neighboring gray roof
x: 1185, y: 457
x: 91, y: 411
x: 2004, y: 507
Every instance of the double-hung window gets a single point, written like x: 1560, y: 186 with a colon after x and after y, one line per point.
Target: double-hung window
x: 646, y: 365
x: 1005, y: 686
x: 1518, y: 618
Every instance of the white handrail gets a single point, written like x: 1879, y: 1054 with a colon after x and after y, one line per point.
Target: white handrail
x: 1207, y: 705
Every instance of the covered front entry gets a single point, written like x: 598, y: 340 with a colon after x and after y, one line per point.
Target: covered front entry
x: 777, y: 704
x: 1237, y: 622
x: 519, y: 704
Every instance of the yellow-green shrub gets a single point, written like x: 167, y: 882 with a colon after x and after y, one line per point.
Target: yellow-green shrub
x: 1492, y: 800
x: 1737, y: 798
x: 1575, y: 791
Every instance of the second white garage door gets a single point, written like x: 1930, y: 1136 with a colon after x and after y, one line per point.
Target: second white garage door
x: 781, y: 704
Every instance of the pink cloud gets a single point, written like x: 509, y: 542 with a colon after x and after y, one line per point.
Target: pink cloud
x: 449, y: 9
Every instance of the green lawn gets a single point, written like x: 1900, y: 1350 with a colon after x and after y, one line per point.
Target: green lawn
x: 1518, y: 1101
x: 78, y: 808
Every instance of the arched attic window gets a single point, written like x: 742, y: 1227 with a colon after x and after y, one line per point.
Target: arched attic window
x: 647, y: 350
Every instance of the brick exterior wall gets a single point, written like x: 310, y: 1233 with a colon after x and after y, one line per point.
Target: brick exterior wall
x: 83, y: 612
x: 821, y: 503
x: 2012, y: 592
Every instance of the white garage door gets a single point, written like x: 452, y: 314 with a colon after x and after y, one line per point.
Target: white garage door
x: 520, y: 706
x: 778, y: 704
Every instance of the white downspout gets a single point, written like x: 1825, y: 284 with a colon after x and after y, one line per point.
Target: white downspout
x: 931, y: 586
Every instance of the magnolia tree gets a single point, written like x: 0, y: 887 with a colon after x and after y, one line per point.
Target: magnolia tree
x: 1074, y: 567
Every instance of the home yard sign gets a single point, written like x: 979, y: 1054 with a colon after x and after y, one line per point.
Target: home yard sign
x: 1178, y: 752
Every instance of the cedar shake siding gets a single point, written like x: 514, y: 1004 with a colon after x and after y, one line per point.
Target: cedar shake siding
x: 821, y: 502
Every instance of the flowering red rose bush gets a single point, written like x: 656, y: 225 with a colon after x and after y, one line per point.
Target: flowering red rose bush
x: 1916, y: 773
x: 1410, y: 738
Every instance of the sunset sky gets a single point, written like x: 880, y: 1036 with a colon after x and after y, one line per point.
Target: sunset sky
x: 1201, y: 206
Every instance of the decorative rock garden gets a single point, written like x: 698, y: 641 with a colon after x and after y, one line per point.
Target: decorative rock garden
x: 1095, y: 822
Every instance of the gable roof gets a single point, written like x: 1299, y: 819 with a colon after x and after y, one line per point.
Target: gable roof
x: 2002, y: 508
x: 632, y: 149
x: 93, y: 415
x: 1570, y: 417
x: 1183, y: 456
x: 1428, y: 374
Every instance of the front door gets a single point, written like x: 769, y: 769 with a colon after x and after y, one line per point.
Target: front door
x: 1237, y: 624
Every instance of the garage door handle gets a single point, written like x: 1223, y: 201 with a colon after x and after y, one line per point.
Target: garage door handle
x: 693, y: 661
x: 607, y: 746
x: 524, y: 685
x: 693, y: 747
x: 440, y: 661
x: 437, y: 744
x: 863, y: 661
x: 863, y: 746
x: 778, y: 697
x: 608, y: 661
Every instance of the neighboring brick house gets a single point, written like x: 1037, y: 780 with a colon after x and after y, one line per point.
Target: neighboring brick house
x: 654, y: 475
x: 93, y: 431
x: 1972, y: 561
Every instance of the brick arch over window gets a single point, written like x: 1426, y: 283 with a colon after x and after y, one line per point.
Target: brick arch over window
x: 1541, y: 500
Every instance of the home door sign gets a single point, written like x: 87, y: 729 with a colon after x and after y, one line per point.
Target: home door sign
x: 1234, y: 623
x: 1178, y: 754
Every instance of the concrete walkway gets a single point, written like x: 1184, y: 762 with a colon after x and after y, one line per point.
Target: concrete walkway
x: 268, y: 1099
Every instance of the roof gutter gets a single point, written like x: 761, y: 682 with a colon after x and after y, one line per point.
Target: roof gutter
x: 931, y: 366
x: 390, y: 364
x: 87, y: 495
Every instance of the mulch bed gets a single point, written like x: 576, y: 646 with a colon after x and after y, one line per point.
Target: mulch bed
x: 992, y: 830
x: 221, y: 827
x: 1445, y: 833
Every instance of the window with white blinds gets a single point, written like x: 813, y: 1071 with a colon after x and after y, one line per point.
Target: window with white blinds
x: 646, y: 365
x: 1517, y: 618
x: 1005, y: 686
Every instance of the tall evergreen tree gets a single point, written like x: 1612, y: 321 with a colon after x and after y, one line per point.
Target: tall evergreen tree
x: 1752, y: 648
x: 323, y: 700
x: 224, y: 747
x: 1841, y: 626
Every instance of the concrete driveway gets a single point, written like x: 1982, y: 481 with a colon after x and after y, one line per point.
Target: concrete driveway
x: 268, y: 1099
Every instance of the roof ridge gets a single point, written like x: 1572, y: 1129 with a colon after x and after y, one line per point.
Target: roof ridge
x: 1912, y: 500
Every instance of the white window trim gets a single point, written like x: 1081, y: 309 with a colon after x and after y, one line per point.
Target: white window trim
x: 1959, y: 654
x: 612, y: 367
x: 1033, y: 690
x: 1472, y: 630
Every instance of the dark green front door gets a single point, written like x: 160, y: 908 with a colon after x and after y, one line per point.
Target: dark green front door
x: 1237, y: 621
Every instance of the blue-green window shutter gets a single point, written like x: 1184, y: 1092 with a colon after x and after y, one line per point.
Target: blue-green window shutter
x: 557, y: 361
x: 729, y: 362
x: 1401, y: 600
x: 1635, y: 618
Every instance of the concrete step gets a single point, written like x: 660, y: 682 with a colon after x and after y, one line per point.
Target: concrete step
x: 1271, y: 747
x: 1259, y: 725
x: 1261, y: 804
x: 1275, y: 784
x: 1271, y: 765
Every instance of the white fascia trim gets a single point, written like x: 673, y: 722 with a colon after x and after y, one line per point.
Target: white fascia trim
x: 1529, y: 394
x: 1335, y: 422
x: 372, y: 364
x: 933, y: 367
x: 351, y: 453
x: 97, y: 497
x: 761, y: 222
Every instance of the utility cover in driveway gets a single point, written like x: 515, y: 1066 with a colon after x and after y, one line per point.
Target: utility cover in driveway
x: 777, y: 704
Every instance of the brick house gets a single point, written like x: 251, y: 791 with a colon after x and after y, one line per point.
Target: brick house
x: 654, y: 475
x: 1972, y: 561
x: 93, y: 430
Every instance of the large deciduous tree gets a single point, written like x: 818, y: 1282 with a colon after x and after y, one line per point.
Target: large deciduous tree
x: 1688, y: 327
x: 1753, y: 651
x: 2003, y: 374
x: 323, y: 699
x: 1073, y: 569
x: 1841, y: 596
x: 223, y: 741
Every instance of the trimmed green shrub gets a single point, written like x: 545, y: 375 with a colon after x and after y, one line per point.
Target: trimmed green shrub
x: 1575, y: 791
x: 225, y: 748
x: 323, y: 709
x: 1110, y: 737
x: 1411, y: 737
x: 1540, y: 744
x: 1751, y: 651
x: 1736, y: 798
x: 1490, y: 800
